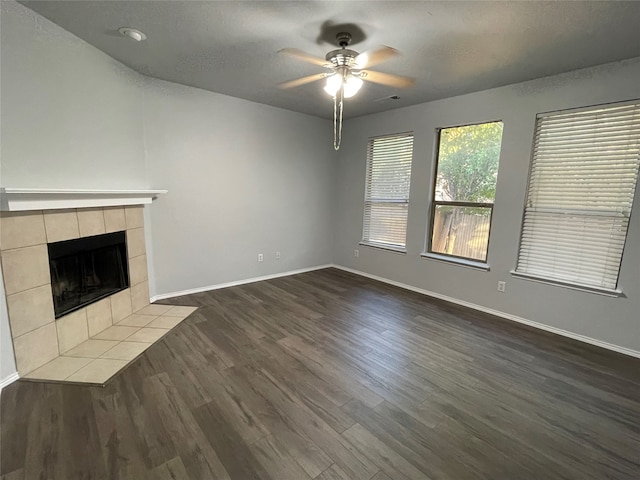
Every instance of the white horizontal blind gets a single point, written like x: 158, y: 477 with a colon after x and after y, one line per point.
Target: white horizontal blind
x: 583, y: 178
x: 386, y: 199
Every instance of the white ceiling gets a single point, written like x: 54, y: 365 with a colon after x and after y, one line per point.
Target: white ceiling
x: 450, y: 48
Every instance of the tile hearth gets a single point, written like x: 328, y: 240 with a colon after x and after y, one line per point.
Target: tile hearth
x: 105, y: 354
x: 95, y: 342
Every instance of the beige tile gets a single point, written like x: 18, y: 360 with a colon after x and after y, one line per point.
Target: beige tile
x: 138, y: 269
x: 72, y: 330
x: 99, y: 316
x: 30, y: 309
x: 165, y: 322
x: 98, y: 371
x: 135, y: 242
x: 126, y: 350
x: 179, y: 311
x: 134, y: 216
x: 120, y: 305
x: 116, y: 332
x: 25, y: 268
x: 140, y: 296
x: 91, y: 348
x: 59, y: 368
x: 136, y: 320
x: 61, y: 225
x: 147, y: 335
x: 154, y: 309
x: 90, y: 222
x: 114, y: 220
x: 21, y: 229
x: 34, y: 349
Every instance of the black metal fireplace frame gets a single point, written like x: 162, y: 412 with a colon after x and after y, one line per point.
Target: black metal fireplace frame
x: 80, y: 248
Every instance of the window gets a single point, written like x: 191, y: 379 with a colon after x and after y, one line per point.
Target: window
x: 386, y: 198
x: 464, y: 190
x: 583, y: 176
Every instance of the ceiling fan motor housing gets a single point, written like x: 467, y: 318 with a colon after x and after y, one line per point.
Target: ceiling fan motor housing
x: 342, y: 57
x: 343, y: 39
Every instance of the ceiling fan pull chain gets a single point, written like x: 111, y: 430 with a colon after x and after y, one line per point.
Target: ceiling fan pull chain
x: 337, y: 118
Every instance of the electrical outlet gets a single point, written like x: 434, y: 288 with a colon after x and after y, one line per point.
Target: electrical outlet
x: 277, y: 255
x: 356, y: 253
x: 260, y: 257
x: 502, y: 286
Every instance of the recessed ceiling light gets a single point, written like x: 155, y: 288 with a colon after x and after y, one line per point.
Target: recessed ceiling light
x: 132, y: 33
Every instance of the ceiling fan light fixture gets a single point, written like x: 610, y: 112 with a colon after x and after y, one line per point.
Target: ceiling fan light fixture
x: 334, y: 82
x: 351, y: 86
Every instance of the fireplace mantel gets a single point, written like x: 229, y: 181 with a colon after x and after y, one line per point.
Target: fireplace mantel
x: 23, y: 199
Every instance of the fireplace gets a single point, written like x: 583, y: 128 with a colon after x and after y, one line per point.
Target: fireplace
x: 108, y: 276
x: 85, y: 270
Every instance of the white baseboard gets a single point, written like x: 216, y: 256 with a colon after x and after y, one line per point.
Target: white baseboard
x: 164, y: 296
x: 5, y: 382
x: 497, y: 313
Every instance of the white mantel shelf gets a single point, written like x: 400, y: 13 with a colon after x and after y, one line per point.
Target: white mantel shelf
x: 23, y: 199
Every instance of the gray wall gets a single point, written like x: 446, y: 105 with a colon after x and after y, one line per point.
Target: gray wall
x: 243, y: 179
x: 70, y: 118
x: 612, y: 320
x: 71, y: 115
x: 7, y: 362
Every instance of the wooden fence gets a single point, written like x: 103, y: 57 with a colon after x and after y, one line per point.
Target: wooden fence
x: 461, y: 234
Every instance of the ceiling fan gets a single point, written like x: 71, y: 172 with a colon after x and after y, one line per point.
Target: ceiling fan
x: 347, y: 70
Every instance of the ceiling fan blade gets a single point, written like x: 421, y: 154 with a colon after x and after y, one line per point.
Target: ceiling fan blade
x: 387, y: 79
x: 301, y: 81
x: 375, y: 57
x: 305, y: 57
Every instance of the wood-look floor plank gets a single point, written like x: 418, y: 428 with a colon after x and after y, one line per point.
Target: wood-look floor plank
x: 331, y: 376
x: 15, y: 475
x: 234, y: 453
x: 311, y: 390
x: 152, y: 440
x: 196, y: 455
x: 276, y: 460
x: 329, y: 370
x: 50, y: 434
x: 382, y: 455
x: 79, y: 416
x: 310, y: 457
x: 115, y: 428
x: 172, y: 470
x: 381, y: 476
x: 334, y: 472
x: 423, y: 452
x: 312, y: 425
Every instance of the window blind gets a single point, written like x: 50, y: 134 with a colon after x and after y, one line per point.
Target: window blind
x: 386, y: 199
x: 583, y: 177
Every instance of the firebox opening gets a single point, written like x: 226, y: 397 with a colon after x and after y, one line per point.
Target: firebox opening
x: 86, y: 270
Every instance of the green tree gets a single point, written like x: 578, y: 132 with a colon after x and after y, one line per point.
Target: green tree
x: 468, y: 163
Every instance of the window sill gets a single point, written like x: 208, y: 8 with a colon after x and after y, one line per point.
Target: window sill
x: 461, y: 262
x: 384, y: 247
x: 573, y: 286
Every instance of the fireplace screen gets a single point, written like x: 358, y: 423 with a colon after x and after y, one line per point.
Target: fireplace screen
x: 87, y: 269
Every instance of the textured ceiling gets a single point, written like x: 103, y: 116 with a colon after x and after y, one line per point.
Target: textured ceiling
x: 450, y: 48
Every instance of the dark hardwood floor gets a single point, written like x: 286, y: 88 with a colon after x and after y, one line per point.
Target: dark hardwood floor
x: 332, y: 376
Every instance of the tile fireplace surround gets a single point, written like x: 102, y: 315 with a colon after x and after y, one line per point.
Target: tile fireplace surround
x: 93, y: 343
